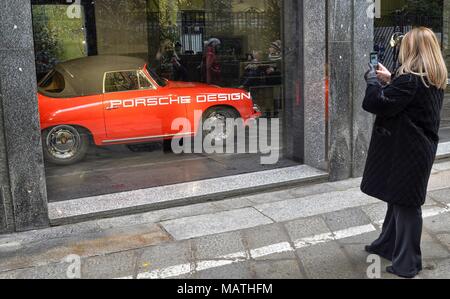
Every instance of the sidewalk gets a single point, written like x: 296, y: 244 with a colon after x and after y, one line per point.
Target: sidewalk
x: 316, y: 231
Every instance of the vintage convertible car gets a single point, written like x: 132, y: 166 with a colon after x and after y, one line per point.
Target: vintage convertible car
x: 119, y: 100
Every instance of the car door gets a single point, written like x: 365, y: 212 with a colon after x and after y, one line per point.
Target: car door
x: 136, y: 108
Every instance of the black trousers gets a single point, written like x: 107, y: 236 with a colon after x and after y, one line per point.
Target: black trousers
x: 400, y: 239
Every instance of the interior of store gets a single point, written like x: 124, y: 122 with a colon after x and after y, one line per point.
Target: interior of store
x: 176, y: 38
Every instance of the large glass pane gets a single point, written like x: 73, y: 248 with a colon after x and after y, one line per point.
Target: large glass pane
x: 402, y: 16
x: 125, y: 73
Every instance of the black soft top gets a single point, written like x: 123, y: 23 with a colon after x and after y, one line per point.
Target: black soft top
x: 84, y: 76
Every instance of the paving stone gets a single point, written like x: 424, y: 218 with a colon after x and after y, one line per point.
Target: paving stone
x: 346, y: 184
x: 158, y: 216
x: 308, y: 227
x: 240, y: 270
x: 110, y: 266
x: 442, y: 166
x: 50, y: 271
x: 120, y: 239
x: 444, y: 239
x: 266, y: 235
x: 311, y: 190
x: 438, y: 224
x: 51, y: 233
x: 432, y: 249
x: 326, y: 261
x: 33, y: 256
x: 212, y: 247
x: 376, y: 212
x: 314, y: 205
x: 429, y: 201
x: 232, y: 204
x: 439, y: 181
x: 210, y: 224
x: 359, y: 259
x: 101, y: 243
x: 163, y: 256
x: 361, y: 240
x: 292, y: 193
x: 340, y: 220
x: 280, y: 269
x: 442, y: 196
x: 269, y: 197
x: 441, y: 270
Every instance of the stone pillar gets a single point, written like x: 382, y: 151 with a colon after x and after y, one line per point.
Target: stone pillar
x: 314, y: 82
x: 350, y: 42
x: 341, y: 73
x: 6, y: 210
x: 363, y: 36
x: 22, y: 177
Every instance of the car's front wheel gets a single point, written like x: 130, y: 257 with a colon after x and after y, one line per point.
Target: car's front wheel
x: 65, y: 145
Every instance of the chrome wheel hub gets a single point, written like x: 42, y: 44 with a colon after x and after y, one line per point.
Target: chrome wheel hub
x: 63, y: 142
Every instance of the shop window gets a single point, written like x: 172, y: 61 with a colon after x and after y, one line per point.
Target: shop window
x: 131, y: 69
x: 401, y: 16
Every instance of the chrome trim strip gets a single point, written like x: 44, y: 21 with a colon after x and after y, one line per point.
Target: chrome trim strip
x: 147, y: 137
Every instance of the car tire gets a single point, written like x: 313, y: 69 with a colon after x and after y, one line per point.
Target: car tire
x: 220, y: 114
x: 167, y: 145
x: 65, y: 145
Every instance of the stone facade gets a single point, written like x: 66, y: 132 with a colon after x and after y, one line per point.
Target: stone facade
x: 22, y: 179
x: 350, y: 40
x: 325, y: 41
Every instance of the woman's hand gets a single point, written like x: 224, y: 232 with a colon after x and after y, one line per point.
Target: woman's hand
x: 371, y: 76
x: 383, y: 74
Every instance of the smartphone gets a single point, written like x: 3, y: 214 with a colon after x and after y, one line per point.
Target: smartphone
x: 374, y: 59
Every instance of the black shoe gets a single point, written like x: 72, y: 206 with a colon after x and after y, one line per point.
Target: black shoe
x: 391, y: 270
x: 369, y: 249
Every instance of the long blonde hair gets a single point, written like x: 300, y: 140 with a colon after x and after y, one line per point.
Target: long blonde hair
x: 420, y: 54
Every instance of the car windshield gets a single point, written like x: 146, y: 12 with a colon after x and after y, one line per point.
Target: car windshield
x: 160, y: 81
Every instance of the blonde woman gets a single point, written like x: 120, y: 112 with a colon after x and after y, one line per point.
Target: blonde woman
x: 404, y: 145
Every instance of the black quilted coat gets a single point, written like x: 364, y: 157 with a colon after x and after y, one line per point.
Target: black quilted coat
x: 404, y: 140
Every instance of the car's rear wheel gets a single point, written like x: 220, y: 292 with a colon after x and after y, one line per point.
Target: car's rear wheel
x: 65, y: 145
x: 216, y: 118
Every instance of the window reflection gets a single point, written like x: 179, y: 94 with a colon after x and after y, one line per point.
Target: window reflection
x: 402, y: 16
x: 193, y: 52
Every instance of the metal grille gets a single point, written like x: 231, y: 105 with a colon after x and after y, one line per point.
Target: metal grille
x: 388, y: 25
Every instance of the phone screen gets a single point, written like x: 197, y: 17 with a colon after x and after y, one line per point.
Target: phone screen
x: 374, y: 59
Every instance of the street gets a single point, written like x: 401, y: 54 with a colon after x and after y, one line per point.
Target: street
x: 313, y: 231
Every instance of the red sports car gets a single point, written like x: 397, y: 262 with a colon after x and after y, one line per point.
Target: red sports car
x: 119, y: 100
